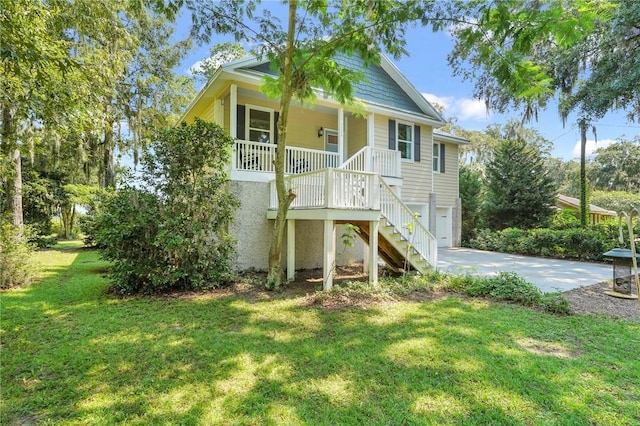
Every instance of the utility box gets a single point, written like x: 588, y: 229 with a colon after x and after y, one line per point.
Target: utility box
x: 623, y: 278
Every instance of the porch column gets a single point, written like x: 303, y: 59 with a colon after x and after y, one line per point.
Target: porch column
x: 365, y: 257
x: 371, y: 141
x: 340, y: 136
x: 329, y: 254
x: 373, y: 251
x: 233, y: 111
x: 371, y: 129
x: 291, y: 249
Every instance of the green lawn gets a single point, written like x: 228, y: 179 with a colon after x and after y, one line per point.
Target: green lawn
x: 72, y: 354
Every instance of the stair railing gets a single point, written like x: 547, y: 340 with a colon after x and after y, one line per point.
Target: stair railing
x: 404, y: 221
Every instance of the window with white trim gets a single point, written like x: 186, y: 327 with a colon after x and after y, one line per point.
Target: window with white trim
x: 436, y: 157
x: 259, y: 124
x: 404, y: 136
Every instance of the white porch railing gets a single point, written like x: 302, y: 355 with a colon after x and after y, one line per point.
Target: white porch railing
x: 407, y: 224
x: 260, y: 157
x: 331, y: 188
x: 384, y: 162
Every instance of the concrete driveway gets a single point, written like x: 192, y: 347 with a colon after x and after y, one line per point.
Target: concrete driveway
x: 548, y: 274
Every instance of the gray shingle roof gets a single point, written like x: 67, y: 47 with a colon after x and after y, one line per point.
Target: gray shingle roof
x: 378, y: 87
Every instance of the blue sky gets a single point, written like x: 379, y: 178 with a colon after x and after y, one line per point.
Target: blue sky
x: 427, y: 68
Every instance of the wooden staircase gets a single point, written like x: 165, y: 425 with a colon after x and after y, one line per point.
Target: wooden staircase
x: 397, y: 251
x: 349, y: 194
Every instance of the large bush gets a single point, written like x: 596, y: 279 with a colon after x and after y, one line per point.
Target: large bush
x: 88, y: 222
x: 170, y: 230
x: 15, y: 254
x: 565, y: 219
x: 577, y: 243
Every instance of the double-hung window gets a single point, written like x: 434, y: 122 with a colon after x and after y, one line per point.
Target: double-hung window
x: 259, y: 122
x: 438, y: 158
x: 405, y: 135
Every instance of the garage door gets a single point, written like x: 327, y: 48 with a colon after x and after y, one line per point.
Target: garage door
x: 444, y: 226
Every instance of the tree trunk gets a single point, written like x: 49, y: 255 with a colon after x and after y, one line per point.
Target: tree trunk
x: 584, y: 207
x: 285, y: 196
x: 73, y: 218
x: 13, y: 179
x: 65, y: 213
x: 107, y: 172
x: 18, y: 216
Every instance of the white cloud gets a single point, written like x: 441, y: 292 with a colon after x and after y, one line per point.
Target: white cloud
x: 442, y: 101
x: 591, y: 146
x: 196, y: 67
x: 471, y: 109
x: 463, y: 108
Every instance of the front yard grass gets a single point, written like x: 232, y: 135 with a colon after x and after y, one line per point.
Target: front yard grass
x: 73, y: 354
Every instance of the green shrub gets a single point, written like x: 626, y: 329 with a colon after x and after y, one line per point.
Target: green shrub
x: 510, y: 239
x: 88, y: 222
x: 170, y: 231
x: 576, y: 243
x: 15, y: 254
x: 508, y: 287
x: 486, y: 239
x: 458, y: 283
x: 555, y: 303
x: 565, y: 219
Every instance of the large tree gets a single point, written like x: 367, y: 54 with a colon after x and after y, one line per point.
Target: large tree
x: 524, y: 53
x: 219, y: 55
x: 73, y: 72
x: 617, y: 167
x: 519, y: 191
x: 470, y: 196
x: 482, y: 143
x: 303, y: 50
x: 37, y: 73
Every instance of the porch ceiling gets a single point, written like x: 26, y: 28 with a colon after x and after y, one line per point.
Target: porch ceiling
x: 243, y: 91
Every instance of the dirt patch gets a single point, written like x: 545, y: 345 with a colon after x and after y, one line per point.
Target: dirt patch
x: 592, y: 300
x: 308, y: 283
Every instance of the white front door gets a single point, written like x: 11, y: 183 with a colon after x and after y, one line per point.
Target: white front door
x: 444, y: 226
x: 331, y: 145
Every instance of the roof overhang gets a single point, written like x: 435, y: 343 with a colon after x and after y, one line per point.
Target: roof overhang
x: 439, y: 135
x: 238, y: 71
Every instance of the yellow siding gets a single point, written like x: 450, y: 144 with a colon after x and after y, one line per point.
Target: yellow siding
x: 203, y: 109
x: 446, y: 184
x: 381, y: 132
x: 356, y: 134
x: 303, y: 123
x: 227, y: 120
x: 207, y: 113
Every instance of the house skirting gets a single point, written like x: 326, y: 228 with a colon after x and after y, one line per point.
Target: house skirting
x: 253, y: 233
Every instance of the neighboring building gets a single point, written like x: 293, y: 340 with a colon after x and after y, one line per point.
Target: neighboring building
x: 596, y: 214
x: 388, y: 171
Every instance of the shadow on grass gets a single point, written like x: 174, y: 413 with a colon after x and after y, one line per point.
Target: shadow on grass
x: 73, y: 354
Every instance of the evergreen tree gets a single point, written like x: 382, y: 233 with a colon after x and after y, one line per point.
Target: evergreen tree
x: 520, y: 191
x: 470, y: 188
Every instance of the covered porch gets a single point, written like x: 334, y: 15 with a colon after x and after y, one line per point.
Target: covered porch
x: 325, y: 136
